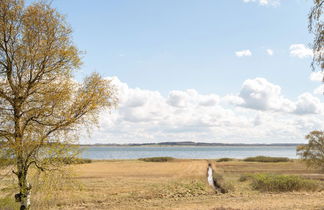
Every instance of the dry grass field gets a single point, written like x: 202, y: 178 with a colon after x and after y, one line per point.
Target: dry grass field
x: 181, y: 184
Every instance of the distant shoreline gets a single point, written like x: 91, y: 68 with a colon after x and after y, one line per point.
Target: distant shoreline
x: 186, y: 144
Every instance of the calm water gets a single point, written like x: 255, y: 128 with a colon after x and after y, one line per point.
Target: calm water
x: 188, y: 152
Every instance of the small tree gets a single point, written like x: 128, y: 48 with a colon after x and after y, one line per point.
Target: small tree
x: 41, y: 106
x: 313, y: 152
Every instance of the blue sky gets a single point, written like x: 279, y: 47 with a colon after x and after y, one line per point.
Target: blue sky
x: 166, y: 44
x: 231, y: 71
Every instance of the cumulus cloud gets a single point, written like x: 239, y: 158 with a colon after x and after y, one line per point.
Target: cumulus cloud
x: 259, y: 113
x: 243, y: 53
x: 308, y: 104
x: 300, y: 51
x: 181, y: 98
x: 270, y: 52
x: 260, y: 94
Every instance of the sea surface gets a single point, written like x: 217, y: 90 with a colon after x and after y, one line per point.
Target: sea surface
x: 190, y: 152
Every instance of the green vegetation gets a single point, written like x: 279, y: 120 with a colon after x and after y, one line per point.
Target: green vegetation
x: 224, y: 159
x: 282, y: 183
x: 313, y: 152
x: 157, y: 159
x: 221, y: 184
x: 266, y: 159
x: 245, y: 177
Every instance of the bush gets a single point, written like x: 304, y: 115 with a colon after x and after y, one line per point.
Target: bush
x: 157, y: 159
x: 282, y: 183
x: 222, y: 185
x: 245, y: 177
x: 266, y: 159
x: 224, y: 159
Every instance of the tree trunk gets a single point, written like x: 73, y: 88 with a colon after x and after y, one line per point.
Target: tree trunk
x: 24, y: 190
x: 25, y: 197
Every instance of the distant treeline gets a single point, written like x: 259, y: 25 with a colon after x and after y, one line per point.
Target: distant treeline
x: 189, y: 143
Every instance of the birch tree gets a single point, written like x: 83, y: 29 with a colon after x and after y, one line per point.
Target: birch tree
x: 41, y: 105
x: 316, y: 26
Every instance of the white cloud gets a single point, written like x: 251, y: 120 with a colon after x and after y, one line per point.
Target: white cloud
x: 181, y: 98
x: 317, y: 76
x: 265, y: 2
x: 308, y: 104
x: 270, y: 52
x: 259, y: 114
x: 319, y: 90
x: 191, y: 97
x: 300, y: 51
x: 260, y: 94
x: 243, y: 53
x: 233, y: 99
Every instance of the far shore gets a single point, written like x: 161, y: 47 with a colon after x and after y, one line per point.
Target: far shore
x: 189, y: 144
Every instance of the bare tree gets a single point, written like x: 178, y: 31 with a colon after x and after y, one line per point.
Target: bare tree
x: 41, y: 106
x: 316, y: 26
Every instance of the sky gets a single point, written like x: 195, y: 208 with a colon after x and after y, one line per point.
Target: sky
x: 227, y: 71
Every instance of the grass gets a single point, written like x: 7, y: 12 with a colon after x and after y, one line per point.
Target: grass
x: 8, y: 203
x: 157, y: 159
x: 5, y: 162
x: 282, y: 183
x: 180, y: 184
x: 224, y: 159
x: 266, y: 159
x: 69, y: 160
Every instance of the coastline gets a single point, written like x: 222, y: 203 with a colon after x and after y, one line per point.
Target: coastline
x: 190, y: 145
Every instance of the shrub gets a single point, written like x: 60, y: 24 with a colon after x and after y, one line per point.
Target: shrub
x: 224, y: 159
x: 157, y: 159
x: 282, y: 183
x: 245, y: 177
x: 266, y: 159
x: 222, y: 185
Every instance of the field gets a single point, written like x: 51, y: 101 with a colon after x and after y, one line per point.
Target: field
x: 179, y: 184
